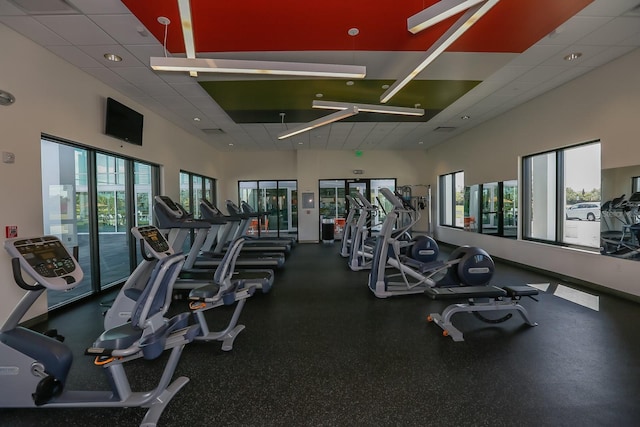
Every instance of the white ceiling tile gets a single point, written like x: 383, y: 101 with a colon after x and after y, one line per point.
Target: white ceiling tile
x: 6, y: 8
x: 105, y: 75
x: 587, y: 51
x: 145, y: 51
x: 139, y: 75
x: 541, y: 74
x: 97, y: 52
x: 608, y: 8
x: 77, y: 29
x: 574, y: 29
x: 507, y: 74
x: 126, y: 29
x: 75, y: 56
x: 90, y: 7
x: 536, y: 54
x: 615, y: 31
x: 34, y: 30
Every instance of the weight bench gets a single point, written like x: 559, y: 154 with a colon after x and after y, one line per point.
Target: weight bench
x: 492, y: 298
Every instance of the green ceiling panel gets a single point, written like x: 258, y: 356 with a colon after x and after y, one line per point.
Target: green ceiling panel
x: 262, y: 101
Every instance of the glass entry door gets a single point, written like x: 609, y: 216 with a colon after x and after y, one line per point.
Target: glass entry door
x: 276, y: 203
x: 334, y: 205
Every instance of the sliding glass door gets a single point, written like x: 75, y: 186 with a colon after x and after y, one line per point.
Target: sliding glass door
x: 67, y: 212
x: 276, y: 203
x: 90, y: 201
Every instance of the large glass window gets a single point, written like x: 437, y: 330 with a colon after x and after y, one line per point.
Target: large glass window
x: 452, y: 199
x: 562, y: 196
x: 194, y: 187
x: 276, y: 203
x: 66, y: 209
x: 91, y: 200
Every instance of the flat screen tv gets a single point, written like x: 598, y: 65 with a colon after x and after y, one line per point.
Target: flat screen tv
x: 123, y: 123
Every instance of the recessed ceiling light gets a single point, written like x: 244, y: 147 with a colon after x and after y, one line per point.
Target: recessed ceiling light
x: 112, y: 57
x: 385, y: 87
x: 196, y: 119
x: 465, y: 117
x: 319, y: 95
x: 350, y: 83
x: 300, y: 143
x: 421, y: 142
x: 353, y: 31
x: 573, y: 56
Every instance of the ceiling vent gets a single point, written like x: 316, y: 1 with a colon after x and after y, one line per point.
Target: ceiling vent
x: 445, y: 129
x: 213, y: 131
x: 45, y: 7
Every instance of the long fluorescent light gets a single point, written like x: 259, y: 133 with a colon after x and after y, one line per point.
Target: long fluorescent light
x: 333, y: 117
x: 184, y: 6
x: 368, y: 108
x: 438, y: 12
x: 206, y: 65
x: 451, y: 35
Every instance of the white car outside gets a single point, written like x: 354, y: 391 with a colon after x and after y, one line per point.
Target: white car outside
x: 589, y: 211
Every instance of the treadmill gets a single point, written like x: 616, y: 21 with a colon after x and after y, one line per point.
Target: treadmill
x: 252, y: 243
x: 247, y: 209
x: 172, y: 217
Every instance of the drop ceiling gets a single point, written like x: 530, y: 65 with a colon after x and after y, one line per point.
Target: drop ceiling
x: 513, y: 54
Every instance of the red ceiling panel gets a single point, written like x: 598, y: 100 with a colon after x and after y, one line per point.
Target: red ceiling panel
x: 296, y: 25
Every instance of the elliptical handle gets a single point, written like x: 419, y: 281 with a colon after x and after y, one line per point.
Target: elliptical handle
x: 144, y: 252
x: 17, y: 276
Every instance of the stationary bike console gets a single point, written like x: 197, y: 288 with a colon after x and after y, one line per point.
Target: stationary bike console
x: 47, y: 261
x: 154, y: 241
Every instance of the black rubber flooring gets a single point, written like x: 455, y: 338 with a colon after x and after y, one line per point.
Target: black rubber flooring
x: 321, y: 350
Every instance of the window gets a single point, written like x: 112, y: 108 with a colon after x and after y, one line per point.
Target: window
x: 91, y: 200
x: 562, y: 196
x: 452, y: 199
x: 194, y: 187
x: 276, y: 203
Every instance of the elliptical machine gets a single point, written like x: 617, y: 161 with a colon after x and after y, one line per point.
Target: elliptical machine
x: 419, y: 268
x: 34, y: 367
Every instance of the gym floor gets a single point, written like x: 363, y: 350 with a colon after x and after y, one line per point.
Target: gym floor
x: 321, y: 350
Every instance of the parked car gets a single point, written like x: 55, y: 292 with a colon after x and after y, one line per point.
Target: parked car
x: 585, y: 210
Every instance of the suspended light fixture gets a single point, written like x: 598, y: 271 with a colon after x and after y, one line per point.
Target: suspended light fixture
x: 368, y: 108
x: 193, y: 65
x: 466, y: 21
x: 333, y: 117
x: 438, y: 12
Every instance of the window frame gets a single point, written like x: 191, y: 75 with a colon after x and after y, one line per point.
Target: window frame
x: 559, y: 214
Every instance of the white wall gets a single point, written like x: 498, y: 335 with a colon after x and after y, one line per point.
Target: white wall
x: 55, y: 98
x: 601, y: 105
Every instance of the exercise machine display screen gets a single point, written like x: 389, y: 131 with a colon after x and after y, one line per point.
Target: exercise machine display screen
x: 46, y: 255
x: 170, y: 205
x: 154, y: 239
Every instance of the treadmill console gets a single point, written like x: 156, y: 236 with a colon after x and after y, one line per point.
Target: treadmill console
x: 210, y: 208
x: 47, y: 261
x: 169, y: 206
